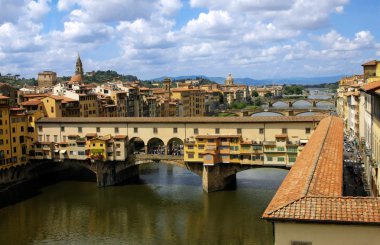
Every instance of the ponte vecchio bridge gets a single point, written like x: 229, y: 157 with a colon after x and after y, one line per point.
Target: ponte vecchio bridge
x: 113, y: 148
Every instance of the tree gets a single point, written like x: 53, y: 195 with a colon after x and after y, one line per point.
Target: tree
x: 255, y: 93
x: 268, y: 94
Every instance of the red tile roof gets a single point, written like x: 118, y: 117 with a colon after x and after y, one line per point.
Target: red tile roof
x: 371, y: 86
x: 3, y: 97
x: 31, y: 102
x: 370, y: 63
x: 312, y: 190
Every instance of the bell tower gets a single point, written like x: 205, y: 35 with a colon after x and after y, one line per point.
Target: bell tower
x: 167, y: 83
x: 79, y: 67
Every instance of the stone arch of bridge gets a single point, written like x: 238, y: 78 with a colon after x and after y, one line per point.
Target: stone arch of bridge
x: 175, y: 147
x: 136, y: 145
x: 325, y: 102
x: 297, y: 102
x: 156, y: 146
x: 280, y: 104
x: 258, y: 112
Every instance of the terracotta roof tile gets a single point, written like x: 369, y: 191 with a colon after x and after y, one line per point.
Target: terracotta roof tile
x: 31, y: 102
x: 371, y: 86
x: 182, y: 119
x: 312, y: 190
x: 370, y: 63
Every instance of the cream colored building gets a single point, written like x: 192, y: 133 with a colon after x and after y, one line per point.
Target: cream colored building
x: 47, y: 79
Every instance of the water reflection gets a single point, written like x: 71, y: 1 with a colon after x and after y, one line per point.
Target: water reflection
x: 160, y: 211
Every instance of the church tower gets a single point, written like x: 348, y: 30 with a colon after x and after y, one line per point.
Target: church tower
x: 229, y: 80
x: 79, y: 67
x: 167, y: 83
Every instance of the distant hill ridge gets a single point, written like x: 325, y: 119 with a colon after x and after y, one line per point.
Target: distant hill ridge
x: 251, y: 81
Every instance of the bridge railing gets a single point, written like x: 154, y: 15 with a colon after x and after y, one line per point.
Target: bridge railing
x: 156, y: 157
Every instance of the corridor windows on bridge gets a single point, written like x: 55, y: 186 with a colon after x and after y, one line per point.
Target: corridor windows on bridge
x: 80, y: 130
x: 307, y: 130
x: 98, y: 129
x: 284, y: 131
x: 238, y: 130
x: 155, y: 130
x: 116, y: 130
x: 175, y: 130
x: 261, y: 131
x: 217, y: 131
x: 280, y: 159
x: 135, y: 130
x: 196, y: 131
x: 62, y: 129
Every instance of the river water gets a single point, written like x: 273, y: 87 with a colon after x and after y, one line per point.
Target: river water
x: 167, y: 206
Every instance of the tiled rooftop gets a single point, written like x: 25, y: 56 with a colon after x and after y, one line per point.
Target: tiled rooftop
x: 182, y: 119
x: 312, y: 190
x: 371, y: 86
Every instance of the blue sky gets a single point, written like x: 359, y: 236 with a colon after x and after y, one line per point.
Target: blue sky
x: 153, y: 38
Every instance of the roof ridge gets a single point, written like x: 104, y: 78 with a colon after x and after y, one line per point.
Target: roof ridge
x: 316, y: 159
x: 286, y: 205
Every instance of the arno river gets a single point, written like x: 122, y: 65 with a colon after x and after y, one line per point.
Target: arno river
x: 167, y: 206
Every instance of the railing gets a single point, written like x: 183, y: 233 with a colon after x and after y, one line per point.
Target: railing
x: 157, y: 157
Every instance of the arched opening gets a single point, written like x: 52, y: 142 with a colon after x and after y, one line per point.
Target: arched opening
x: 325, y: 104
x: 267, y: 114
x: 175, y: 147
x: 280, y: 104
x: 156, y: 146
x: 304, y: 114
x: 137, y: 145
x: 302, y: 104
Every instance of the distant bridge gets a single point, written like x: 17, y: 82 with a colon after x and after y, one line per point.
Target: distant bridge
x: 311, y: 102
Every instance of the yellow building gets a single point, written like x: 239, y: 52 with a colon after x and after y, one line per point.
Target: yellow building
x: 52, y: 106
x: 5, y: 149
x: 371, y: 71
x: 193, y: 101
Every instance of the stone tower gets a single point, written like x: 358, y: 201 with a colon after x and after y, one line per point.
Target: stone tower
x: 167, y: 83
x: 79, y: 67
x: 229, y: 80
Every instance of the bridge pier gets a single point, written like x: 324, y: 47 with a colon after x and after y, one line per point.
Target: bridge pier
x: 108, y: 174
x: 218, y: 177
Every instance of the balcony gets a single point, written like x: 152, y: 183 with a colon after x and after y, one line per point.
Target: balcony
x: 269, y: 143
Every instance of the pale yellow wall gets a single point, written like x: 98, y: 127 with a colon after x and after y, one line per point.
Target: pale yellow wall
x: 250, y: 131
x: 50, y: 103
x: 326, y: 234
x: 376, y: 152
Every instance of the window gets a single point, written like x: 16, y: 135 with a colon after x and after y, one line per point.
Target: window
x: 201, y: 147
x: 175, y: 130
x: 52, y: 109
x: 47, y: 138
x: 71, y: 153
x: 13, y: 130
x: 55, y: 138
x: 14, y: 139
x: 116, y: 130
x: 307, y: 130
x: 155, y: 130
x: 14, y: 149
x: 261, y: 131
x: 98, y: 129
x: 118, y: 153
x: 81, y: 153
x: 224, y: 156
x: 284, y: 130
x: 135, y: 130
x: 80, y: 130
x: 1, y: 122
x: 217, y: 131
x: 22, y: 128
x: 257, y: 147
x: 117, y: 145
x: 39, y: 138
x: 238, y: 130
x: 191, y: 155
x: 196, y: 131
x: 292, y: 159
x: 281, y: 159
x: 62, y: 129
x: 190, y: 147
x: 280, y: 148
x: 1, y: 142
x: 1, y: 131
x: 210, y: 140
x: 270, y: 159
x: 101, y: 145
